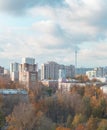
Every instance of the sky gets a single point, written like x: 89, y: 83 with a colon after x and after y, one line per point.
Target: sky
x: 51, y: 30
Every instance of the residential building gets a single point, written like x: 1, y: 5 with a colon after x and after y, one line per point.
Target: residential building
x: 53, y: 84
x: 39, y: 74
x: 96, y: 72
x: 28, y: 60
x: 82, y: 70
x: 14, y: 71
x: 91, y: 74
x: 28, y: 74
x: 50, y: 70
x: 1, y: 70
x: 99, y: 71
x: 70, y: 71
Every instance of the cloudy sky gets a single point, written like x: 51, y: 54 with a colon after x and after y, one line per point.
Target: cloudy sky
x: 53, y: 30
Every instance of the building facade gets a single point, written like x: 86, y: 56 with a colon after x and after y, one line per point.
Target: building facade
x: 96, y: 72
x: 14, y: 71
x: 1, y: 70
x: 50, y: 70
x: 28, y: 74
x: 28, y: 60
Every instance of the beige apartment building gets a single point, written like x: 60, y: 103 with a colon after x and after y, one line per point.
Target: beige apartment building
x: 28, y: 75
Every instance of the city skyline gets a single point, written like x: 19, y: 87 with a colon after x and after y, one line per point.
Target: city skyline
x: 51, y: 30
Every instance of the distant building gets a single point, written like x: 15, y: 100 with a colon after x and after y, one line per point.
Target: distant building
x: 1, y: 70
x: 28, y: 60
x: 70, y: 71
x: 14, y: 71
x: 14, y: 97
x: 99, y: 71
x: 51, y: 84
x: 82, y: 70
x: 95, y: 73
x: 91, y: 74
x: 50, y: 70
x: 6, y: 72
x: 28, y: 74
x: 105, y: 71
x: 62, y: 74
x: 39, y: 74
x: 64, y: 86
x: 13, y: 91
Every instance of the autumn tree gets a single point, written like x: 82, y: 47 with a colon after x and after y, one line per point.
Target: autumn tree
x: 26, y: 117
x: 87, y: 106
x: 69, y: 121
x: 80, y: 127
x: 102, y: 125
x: 78, y: 119
x: 92, y: 123
x: 62, y: 128
x: 82, y: 78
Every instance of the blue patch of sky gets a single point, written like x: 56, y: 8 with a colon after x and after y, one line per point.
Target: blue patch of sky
x: 24, y: 21
x: 85, y: 45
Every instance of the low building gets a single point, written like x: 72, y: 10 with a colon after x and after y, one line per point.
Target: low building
x: 50, y: 83
x: 91, y: 74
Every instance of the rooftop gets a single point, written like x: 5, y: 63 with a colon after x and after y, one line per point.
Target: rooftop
x: 13, y: 91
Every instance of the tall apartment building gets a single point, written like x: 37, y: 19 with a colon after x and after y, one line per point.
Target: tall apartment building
x: 28, y: 60
x: 1, y: 70
x: 70, y: 71
x: 28, y: 74
x: 50, y: 70
x: 14, y: 71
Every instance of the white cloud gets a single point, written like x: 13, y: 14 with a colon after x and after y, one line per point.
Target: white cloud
x: 55, y: 32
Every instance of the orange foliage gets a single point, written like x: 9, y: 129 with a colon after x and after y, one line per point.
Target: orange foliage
x: 80, y: 127
x: 62, y: 128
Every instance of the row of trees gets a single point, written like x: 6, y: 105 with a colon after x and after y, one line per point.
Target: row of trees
x: 84, y: 108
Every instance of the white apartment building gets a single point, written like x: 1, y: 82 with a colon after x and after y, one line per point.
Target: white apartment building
x: 50, y: 70
x: 97, y: 72
x: 14, y: 71
x: 91, y: 74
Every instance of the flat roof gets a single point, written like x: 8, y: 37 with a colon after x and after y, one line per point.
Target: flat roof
x: 13, y: 91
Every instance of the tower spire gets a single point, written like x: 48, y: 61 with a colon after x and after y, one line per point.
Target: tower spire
x: 75, y: 61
